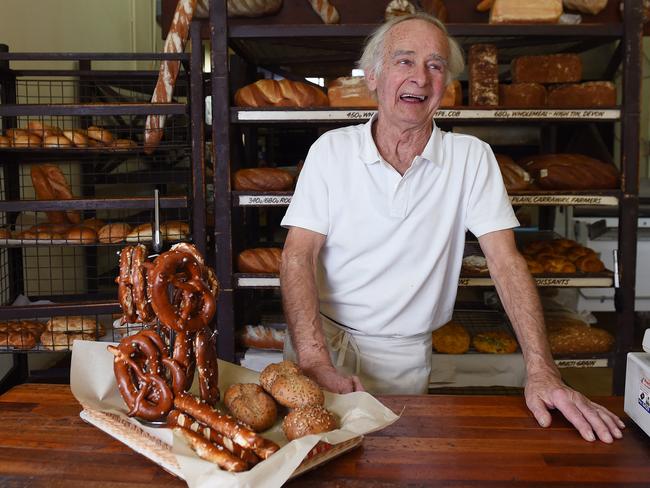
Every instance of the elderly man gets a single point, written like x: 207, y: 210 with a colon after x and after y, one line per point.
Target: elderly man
x: 376, y: 234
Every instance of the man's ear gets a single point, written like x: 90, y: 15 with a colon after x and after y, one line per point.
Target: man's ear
x: 371, y: 80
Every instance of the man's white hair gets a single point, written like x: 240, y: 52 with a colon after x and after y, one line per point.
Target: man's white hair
x: 372, y: 57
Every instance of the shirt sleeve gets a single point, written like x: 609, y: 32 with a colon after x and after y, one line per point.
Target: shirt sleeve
x: 309, y: 207
x: 489, y: 208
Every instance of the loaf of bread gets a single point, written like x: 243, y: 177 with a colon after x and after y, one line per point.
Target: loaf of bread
x: 75, y: 323
x: 514, y: 176
x: 262, y: 337
x: 283, y: 93
x: 588, y: 94
x: 141, y: 233
x: 246, y: 8
x: 81, y: 235
x: 526, y: 11
x: 522, y: 95
x: 453, y: 96
x: 592, y: 7
x: 312, y: 419
x: 451, y: 338
x: 483, y: 72
x: 546, y: 68
x: 398, y: 8
x: 5, y: 141
x: 570, y: 172
x: 561, y: 256
x: 494, y: 342
x: 570, y: 336
x: 262, y: 179
x: 260, y: 260
x: 112, y: 233
x: 42, y: 130
x: 50, y: 184
x: 350, y: 91
x: 56, y: 141
x: 174, y: 230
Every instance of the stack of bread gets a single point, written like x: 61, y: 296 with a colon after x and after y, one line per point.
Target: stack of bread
x: 553, y: 80
x: 563, y: 256
x: 20, y: 334
x: 61, y: 332
x: 453, y: 338
x: 38, y: 134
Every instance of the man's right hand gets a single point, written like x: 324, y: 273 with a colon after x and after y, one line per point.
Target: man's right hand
x: 329, y: 378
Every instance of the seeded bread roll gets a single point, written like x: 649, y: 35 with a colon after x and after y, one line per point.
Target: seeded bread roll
x: 494, y: 342
x: 294, y: 391
x: 273, y: 371
x: 249, y: 404
x: 311, y: 419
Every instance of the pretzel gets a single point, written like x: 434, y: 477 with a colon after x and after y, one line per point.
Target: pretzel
x: 205, y: 450
x: 136, y: 367
x: 164, y: 272
x: 225, y: 425
x: 184, y: 355
x: 326, y: 11
x: 124, y: 289
x: 138, y: 285
x: 207, y: 365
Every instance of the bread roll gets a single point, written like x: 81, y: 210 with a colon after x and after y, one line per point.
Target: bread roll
x: 25, y: 140
x: 61, y: 341
x: 112, y: 233
x: 174, y: 230
x: 249, y: 404
x: 55, y: 141
x: 526, y: 11
x: 75, y: 323
x: 312, y: 419
x: 283, y: 93
x: 260, y: 260
x: 546, y: 68
x: 100, y: 134
x: 297, y: 390
x: 262, y: 179
x: 42, y: 130
x: 522, y: 95
x: 18, y: 339
x: 140, y: 233
x: 81, y: 235
x: 570, y: 172
x: 572, y: 338
x: 494, y: 342
x: 77, y: 137
x: 275, y: 370
x: 350, y: 91
x: 583, y: 95
x: 515, y: 178
x: 451, y: 338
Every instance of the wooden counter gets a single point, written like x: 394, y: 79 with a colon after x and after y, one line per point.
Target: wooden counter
x: 460, y: 441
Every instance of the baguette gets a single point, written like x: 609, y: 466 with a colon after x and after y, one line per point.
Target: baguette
x: 283, y: 93
x: 262, y: 179
x: 50, y: 184
x: 260, y: 260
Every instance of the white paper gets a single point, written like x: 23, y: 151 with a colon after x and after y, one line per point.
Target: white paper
x: 93, y: 384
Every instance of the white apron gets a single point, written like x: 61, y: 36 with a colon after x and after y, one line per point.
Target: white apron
x: 385, y: 365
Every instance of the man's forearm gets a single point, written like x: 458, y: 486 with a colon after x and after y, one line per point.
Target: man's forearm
x: 520, y: 299
x: 300, y: 302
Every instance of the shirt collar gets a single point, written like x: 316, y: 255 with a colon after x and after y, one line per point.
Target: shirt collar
x: 369, y: 153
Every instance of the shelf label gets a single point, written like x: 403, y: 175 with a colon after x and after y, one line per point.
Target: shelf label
x: 582, y: 363
x: 559, y: 282
x: 264, y: 200
x: 253, y: 282
x: 563, y: 200
x: 447, y: 113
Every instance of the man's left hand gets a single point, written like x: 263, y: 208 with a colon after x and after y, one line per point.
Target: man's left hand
x: 546, y: 391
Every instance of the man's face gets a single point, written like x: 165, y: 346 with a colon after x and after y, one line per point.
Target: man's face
x: 412, y: 79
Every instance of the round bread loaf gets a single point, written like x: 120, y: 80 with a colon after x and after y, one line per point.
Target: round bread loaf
x: 495, y: 342
x: 112, y: 233
x: 451, y: 338
x: 311, y: 419
x: 296, y: 390
x: 56, y: 141
x: 249, y: 404
x: 272, y: 371
x: 81, y: 235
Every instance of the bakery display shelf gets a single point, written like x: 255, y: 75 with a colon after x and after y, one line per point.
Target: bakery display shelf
x: 41, y: 153
x: 92, y: 204
x: 97, y: 304
x: 70, y: 242
x: 93, y: 109
x: 343, y: 115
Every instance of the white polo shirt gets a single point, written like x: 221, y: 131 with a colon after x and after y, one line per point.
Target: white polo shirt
x: 391, y: 260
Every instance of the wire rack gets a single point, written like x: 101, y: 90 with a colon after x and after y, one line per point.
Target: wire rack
x: 482, y: 320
